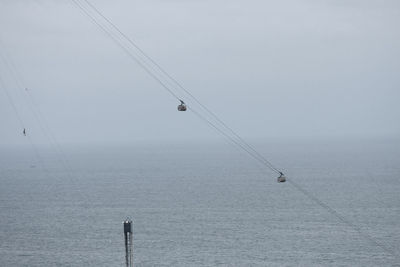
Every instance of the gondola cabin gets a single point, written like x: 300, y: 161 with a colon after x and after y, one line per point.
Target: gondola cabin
x: 182, y: 106
x: 281, y: 178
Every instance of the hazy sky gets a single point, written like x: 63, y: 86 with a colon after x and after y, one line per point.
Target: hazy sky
x: 291, y: 68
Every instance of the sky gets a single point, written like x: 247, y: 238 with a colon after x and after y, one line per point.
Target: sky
x: 269, y: 69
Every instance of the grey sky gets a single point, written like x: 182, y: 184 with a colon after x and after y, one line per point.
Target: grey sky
x: 291, y: 68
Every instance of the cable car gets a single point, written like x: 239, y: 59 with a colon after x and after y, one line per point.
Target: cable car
x: 182, y: 106
x: 281, y: 178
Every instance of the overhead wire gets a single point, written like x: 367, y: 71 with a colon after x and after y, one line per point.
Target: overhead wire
x: 33, y: 107
x: 124, y: 48
x: 170, y: 77
x: 47, y: 131
x: 232, y: 140
x: 35, y: 110
x: 333, y: 212
x: 236, y: 140
x: 22, y: 125
x: 217, y: 124
x: 165, y: 82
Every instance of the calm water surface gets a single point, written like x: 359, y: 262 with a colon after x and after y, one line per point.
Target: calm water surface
x: 203, y: 205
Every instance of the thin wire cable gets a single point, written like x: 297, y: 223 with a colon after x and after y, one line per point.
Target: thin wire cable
x: 240, y: 139
x: 325, y: 206
x: 239, y: 142
x: 234, y: 141
x: 22, y: 124
x: 127, y: 51
x: 41, y: 122
x: 333, y: 212
x: 105, y: 30
x: 181, y: 86
x: 151, y: 64
x: 63, y: 159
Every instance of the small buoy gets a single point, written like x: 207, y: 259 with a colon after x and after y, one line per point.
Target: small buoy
x: 281, y: 178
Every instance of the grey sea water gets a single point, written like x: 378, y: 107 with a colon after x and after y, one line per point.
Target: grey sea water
x: 201, y: 205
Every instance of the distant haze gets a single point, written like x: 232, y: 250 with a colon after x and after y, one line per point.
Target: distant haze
x: 269, y: 69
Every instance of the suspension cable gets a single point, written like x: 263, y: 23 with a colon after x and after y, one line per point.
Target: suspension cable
x: 124, y: 48
x: 333, y: 212
x: 232, y: 136
x: 158, y: 66
x: 240, y: 142
x: 22, y: 124
x: 233, y: 141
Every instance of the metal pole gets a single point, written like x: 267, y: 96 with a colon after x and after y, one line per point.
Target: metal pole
x: 131, y: 247
x: 126, y: 250
x: 128, y: 243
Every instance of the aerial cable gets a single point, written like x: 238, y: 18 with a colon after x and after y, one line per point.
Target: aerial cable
x: 179, y: 84
x: 14, y: 107
x: 333, y: 212
x: 48, y: 133
x: 22, y: 124
x: 127, y: 51
x: 152, y: 63
x: 233, y: 137
x: 42, y: 120
x: 35, y: 111
x: 218, y: 120
x: 325, y: 206
x: 233, y: 141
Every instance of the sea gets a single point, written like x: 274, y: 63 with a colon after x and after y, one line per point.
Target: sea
x: 202, y: 204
